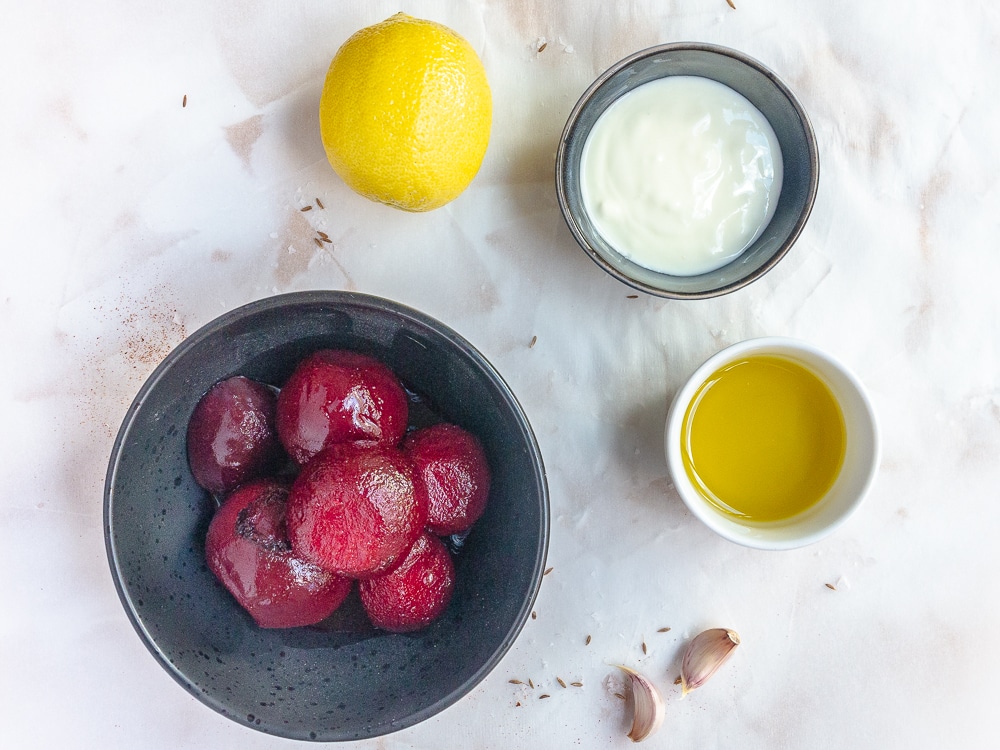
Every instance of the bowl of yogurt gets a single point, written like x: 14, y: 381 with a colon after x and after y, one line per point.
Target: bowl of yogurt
x: 687, y: 170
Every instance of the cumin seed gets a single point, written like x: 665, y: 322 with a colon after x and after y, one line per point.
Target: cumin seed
x: 560, y: 681
x: 534, y: 340
x: 306, y: 208
x: 644, y: 651
x: 830, y: 586
x: 619, y: 695
x: 544, y: 45
x: 318, y: 242
x: 547, y: 571
x: 515, y: 682
x: 531, y: 684
x: 663, y: 630
x: 534, y: 615
x: 587, y: 642
x: 324, y: 235
x: 184, y: 101
x: 731, y: 4
x: 576, y: 684
x: 544, y: 695
x: 632, y: 296
x: 319, y: 203
x: 327, y: 240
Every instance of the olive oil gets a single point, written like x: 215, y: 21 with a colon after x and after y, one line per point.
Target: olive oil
x: 763, y: 438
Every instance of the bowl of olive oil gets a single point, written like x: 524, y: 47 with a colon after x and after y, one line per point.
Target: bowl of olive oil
x: 772, y: 443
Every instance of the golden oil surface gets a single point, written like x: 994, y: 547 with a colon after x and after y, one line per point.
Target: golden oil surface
x: 763, y: 439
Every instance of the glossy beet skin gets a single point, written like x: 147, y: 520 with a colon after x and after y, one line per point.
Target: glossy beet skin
x: 337, y: 396
x: 450, y: 467
x: 247, y: 549
x: 231, y: 435
x: 353, y: 509
x: 416, y: 592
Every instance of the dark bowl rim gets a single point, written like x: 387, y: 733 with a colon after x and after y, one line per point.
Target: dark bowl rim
x: 741, y: 57
x: 342, y: 298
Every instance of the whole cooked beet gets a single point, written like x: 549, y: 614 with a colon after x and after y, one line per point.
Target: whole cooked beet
x: 337, y: 396
x: 247, y: 549
x: 450, y: 466
x: 413, y: 594
x: 353, y: 509
x: 231, y: 435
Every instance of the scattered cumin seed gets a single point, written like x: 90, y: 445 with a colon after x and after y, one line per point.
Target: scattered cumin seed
x: 531, y: 684
x: 544, y: 695
x: 619, y: 695
x: 644, y: 650
x: 587, y: 642
x: 663, y: 630
x: 327, y: 240
x: 632, y: 296
x: 319, y: 203
x: 319, y: 242
x: 534, y: 340
x: 547, y: 571
x: 560, y: 681
x: 678, y: 681
x: 306, y: 208
x: 731, y: 4
x: 544, y: 45
x: 534, y: 615
x: 515, y: 682
x: 830, y: 586
x: 576, y: 684
x: 324, y: 235
x: 184, y: 101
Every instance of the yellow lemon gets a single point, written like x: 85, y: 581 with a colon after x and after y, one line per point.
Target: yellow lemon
x: 405, y: 113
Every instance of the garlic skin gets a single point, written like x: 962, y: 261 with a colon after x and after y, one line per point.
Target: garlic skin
x: 704, y: 655
x: 647, y: 705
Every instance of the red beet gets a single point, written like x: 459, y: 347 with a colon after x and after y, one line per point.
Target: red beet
x: 336, y: 396
x: 450, y: 466
x: 231, y: 437
x: 247, y: 549
x: 415, y: 593
x: 353, y: 509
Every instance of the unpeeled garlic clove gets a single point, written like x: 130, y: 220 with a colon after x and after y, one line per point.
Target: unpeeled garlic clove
x: 646, y: 704
x: 704, y: 655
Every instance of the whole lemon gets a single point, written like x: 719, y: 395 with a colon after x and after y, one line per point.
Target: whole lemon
x: 405, y: 113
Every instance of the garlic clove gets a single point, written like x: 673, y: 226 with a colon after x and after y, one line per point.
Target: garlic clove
x: 647, y: 706
x: 704, y: 655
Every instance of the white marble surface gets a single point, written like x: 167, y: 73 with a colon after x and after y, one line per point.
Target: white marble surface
x: 129, y: 221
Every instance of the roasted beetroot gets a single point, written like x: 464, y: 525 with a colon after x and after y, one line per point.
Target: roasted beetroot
x: 450, y: 467
x: 353, y: 509
x: 416, y: 592
x: 337, y: 396
x: 231, y: 435
x: 247, y: 549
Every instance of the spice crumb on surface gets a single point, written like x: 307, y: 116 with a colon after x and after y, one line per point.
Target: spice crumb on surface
x: 306, y: 208
x: 587, y: 642
x: 663, y: 630
x: 547, y: 571
x: 830, y: 586
x: 184, y: 101
x: 534, y: 340
x: 560, y: 681
x: 632, y: 296
x: 576, y: 684
x: 319, y: 204
x: 544, y: 695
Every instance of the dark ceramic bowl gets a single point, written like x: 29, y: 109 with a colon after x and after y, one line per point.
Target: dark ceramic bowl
x: 341, y: 680
x: 766, y: 92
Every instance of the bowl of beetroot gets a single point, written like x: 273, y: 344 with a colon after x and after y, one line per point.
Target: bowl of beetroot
x: 326, y: 516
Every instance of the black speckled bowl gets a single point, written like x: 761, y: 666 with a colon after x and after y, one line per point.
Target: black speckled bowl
x: 341, y: 680
x: 766, y: 92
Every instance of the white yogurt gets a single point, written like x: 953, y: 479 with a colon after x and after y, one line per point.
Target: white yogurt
x: 681, y: 175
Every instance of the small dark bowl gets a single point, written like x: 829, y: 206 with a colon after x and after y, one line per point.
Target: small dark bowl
x: 341, y: 680
x: 766, y: 92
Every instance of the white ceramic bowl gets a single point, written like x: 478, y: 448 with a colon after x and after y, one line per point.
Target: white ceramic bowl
x: 856, y: 475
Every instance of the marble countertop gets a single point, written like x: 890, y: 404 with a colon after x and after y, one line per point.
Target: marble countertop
x: 155, y: 160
